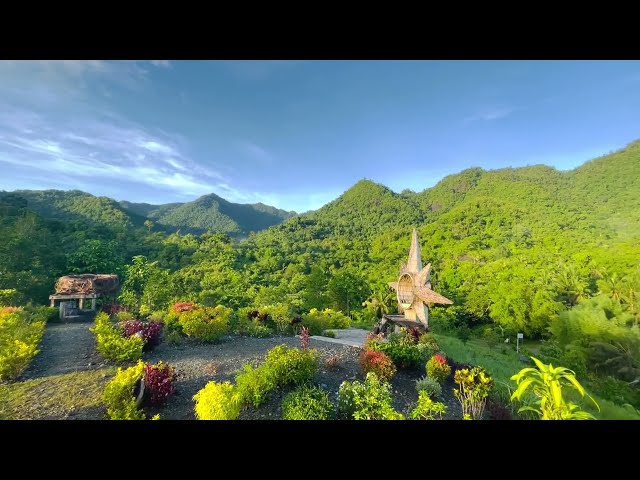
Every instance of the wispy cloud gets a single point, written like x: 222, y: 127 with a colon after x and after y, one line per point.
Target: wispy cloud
x: 255, y: 151
x: 490, y: 115
x: 161, y: 63
x: 88, y: 148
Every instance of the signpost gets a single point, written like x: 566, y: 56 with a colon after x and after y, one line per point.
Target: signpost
x: 519, y: 336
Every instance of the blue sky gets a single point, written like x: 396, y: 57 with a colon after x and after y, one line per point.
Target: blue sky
x: 296, y: 134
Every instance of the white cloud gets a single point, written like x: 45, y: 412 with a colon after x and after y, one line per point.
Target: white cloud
x: 102, y: 151
x: 160, y: 63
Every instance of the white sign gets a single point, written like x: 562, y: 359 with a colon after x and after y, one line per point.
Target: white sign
x: 520, y: 335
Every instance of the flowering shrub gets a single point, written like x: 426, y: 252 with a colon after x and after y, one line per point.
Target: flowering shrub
x: 379, y: 363
x: 475, y: 386
x: 217, y: 401
x: 427, y: 409
x: 158, y: 382
x: 307, y: 403
x: 438, y: 368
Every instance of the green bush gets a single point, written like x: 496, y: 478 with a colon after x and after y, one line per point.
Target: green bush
x: 291, y: 365
x: 427, y: 409
x: 279, y: 315
x: 438, y: 368
x: 42, y: 313
x: 119, y: 397
x: 206, y: 323
x: 329, y: 333
x: 283, y: 366
x: 403, y: 355
x: 255, y: 384
x: 430, y: 386
x: 123, y: 316
x: 251, y: 328
x: 370, y: 400
x: 217, y: 401
x: 112, y: 345
x: 318, y: 321
x: 307, y: 403
x: 615, y: 390
x: 20, y: 334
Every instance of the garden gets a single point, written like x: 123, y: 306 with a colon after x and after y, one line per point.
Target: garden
x: 211, y: 363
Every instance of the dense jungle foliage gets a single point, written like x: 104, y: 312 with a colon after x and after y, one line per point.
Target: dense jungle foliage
x: 555, y: 255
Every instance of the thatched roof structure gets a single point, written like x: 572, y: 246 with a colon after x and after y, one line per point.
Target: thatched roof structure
x: 414, y: 286
x: 87, y: 283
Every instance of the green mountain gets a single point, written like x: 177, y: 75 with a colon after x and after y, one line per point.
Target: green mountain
x: 209, y: 213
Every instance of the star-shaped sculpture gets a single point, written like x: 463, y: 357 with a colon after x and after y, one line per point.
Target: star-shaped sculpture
x: 414, y: 286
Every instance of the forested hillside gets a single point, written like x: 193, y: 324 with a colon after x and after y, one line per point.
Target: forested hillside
x: 535, y: 250
x: 208, y: 213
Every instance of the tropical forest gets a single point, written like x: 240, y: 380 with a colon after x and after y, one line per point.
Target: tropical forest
x: 241, y: 308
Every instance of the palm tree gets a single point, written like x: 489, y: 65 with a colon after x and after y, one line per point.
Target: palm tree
x: 612, y: 286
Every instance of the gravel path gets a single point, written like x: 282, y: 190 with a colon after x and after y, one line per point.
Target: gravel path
x: 65, y: 347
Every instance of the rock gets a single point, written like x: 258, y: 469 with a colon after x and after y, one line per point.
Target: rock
x: 324, y: 385
x: 524, y: 359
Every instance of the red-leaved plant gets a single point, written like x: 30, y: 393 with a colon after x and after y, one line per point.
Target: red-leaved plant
x: 149, y: 331
x: 438, y: 368
x: 304, y: 338
x: 158, y: 382
x: 378, y: 363
x: 183, y: 307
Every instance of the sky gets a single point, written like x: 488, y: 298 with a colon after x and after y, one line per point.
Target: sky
x: 296, y: 134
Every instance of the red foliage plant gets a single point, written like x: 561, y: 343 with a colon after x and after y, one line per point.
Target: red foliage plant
x: 377, y: 362
x: 183, y: 307
x: 149, y: 331
x: 158, y: 382
x: 304, y: 338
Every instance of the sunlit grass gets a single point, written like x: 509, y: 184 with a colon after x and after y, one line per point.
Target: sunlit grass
x: 57, y: 396
x: 501, y: 366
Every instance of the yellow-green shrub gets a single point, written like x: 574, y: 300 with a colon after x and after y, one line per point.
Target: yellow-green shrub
x: 217, y: 401
x: 112, y: 345
x: 118, y: 394
x: 279, y: 314
x: 318, y: 321
x: 20, y: 334
x: 283, y: 366
x: 206, y: 323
